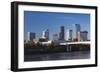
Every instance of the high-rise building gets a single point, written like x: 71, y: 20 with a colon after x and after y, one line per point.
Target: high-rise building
x: 84, y: 35
x: 69, y: 35
x: 45, y: 34
x: 61, y: 33
x: 55, y: 37
x: 30, y: 36
x: 79, y: 37
x: 78, y: 29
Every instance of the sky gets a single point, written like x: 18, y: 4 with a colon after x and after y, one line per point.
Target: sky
x: 36, y: 22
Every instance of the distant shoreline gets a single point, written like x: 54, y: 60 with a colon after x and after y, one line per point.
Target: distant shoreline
x: 55, y: 49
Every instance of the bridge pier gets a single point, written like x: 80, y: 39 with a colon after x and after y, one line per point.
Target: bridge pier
x: 69, y: 48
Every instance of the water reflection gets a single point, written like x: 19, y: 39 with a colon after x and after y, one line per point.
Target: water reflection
x: 57, y: 56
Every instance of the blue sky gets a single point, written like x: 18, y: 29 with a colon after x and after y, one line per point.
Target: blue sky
x: 38, y: 21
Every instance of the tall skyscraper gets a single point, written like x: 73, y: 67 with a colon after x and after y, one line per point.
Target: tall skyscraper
x: 31, y: 36
x: 45, y: 34
x: 61, y: 33
x: 78, y: 29
x: 84, y: 35
x: 69, y: 35
x: 79, y: 37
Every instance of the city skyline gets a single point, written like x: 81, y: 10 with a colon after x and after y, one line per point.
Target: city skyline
x: 37, y: 22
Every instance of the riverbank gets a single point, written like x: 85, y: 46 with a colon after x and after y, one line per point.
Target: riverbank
x: 55, y: 48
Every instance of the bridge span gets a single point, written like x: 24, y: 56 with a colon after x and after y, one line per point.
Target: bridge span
x: 81, y: 42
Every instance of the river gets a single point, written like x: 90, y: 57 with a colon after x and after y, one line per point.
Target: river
x: 57, y: 56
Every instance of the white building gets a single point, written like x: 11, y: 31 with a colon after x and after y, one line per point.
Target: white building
x: 46, y: 43
x: 45, y: 34
x: 69, y: 35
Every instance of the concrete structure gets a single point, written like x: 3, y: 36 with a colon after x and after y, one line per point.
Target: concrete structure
x: 61, y: 33
x: 31, y: 36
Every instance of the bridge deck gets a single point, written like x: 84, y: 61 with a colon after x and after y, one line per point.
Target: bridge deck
x: 82, y: 42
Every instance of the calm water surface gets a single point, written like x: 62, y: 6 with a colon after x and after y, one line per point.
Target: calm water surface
x: 57, y: 56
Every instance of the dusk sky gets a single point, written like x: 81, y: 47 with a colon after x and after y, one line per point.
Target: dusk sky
x: 38, y: 21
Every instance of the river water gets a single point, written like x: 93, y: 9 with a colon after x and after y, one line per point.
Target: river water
x: 57, y: 56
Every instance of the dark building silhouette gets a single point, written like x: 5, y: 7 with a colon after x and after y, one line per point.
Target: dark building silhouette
x: 78, y: 29
x: 84, y: 35
x: 42, y: 40
x: 61, y: 33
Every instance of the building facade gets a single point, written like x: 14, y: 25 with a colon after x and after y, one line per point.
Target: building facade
x: 45, y: 34
x: 78, y: 29
x: 61, y: 33
x: 79, y: 35
x: 31, y: 36
x: 55, y: 37
x: 84, y: 35
x: 69, y: 35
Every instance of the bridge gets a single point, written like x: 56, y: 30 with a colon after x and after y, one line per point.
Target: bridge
x: 81, y: 42
x: 69, y: 44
